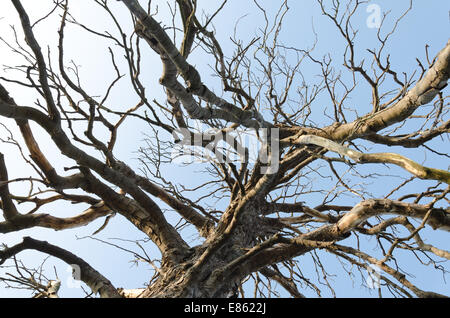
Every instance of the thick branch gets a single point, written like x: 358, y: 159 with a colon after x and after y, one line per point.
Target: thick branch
x: 410, y: 142
x: 407, y: 164
x: 438, y: 219
x: 158, y: 39
x: 42, y: 68
x: 96, y: 281
x: 22, y: 222
x: 422, y: 93
x: 165, y: 233
x: 320, y: 238
x: 57, y: 181
x: 7, y: 205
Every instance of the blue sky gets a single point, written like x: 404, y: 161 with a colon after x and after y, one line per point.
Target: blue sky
x: 427, y: 23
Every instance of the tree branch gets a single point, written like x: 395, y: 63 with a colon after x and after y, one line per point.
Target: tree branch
x: 407, y: 164
x: 96, y: 281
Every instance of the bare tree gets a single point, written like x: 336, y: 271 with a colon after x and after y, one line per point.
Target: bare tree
x: 255, y: 212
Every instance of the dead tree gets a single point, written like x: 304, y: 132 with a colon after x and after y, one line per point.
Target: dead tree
x: 294, y: 197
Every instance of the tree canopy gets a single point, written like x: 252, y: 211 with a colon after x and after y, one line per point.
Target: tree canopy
x: 254, y: 149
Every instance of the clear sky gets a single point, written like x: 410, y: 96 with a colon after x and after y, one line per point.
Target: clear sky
x: 427, y: 24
